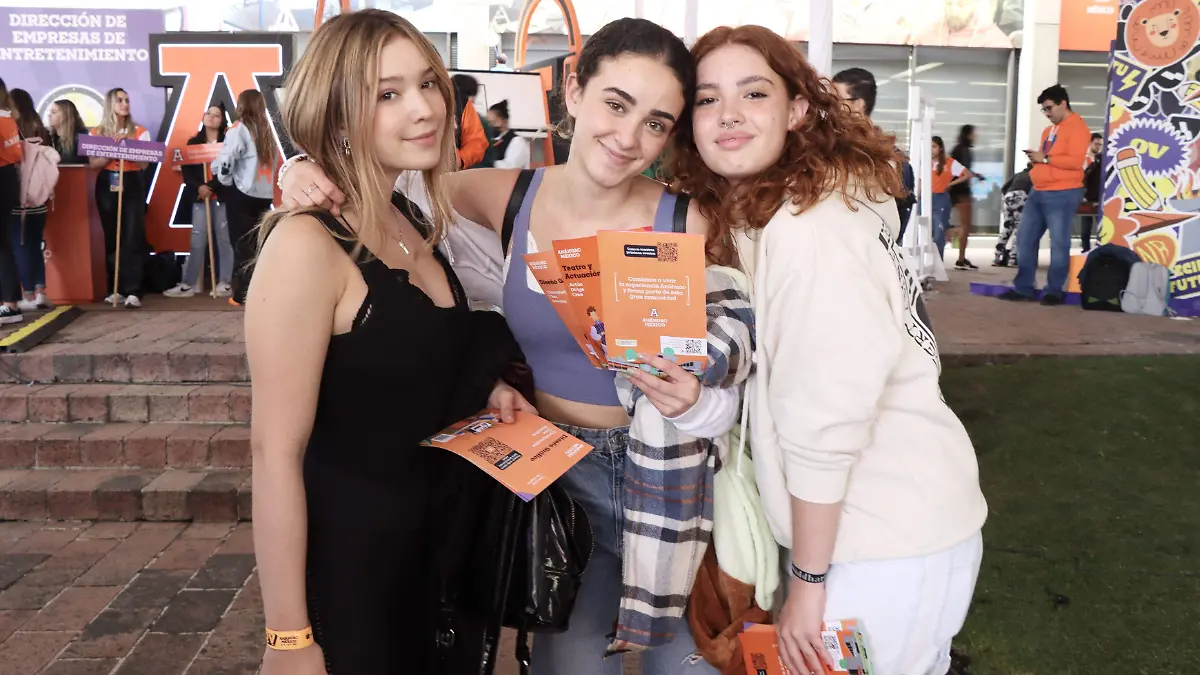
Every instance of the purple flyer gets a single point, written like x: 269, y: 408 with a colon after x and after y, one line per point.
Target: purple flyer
x: 126, y: 149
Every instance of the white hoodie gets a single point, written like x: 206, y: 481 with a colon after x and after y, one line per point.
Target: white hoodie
x: 846, y: 405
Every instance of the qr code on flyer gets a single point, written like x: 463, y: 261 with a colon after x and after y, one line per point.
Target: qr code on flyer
x: 497, y: 453
x: 683, y: 346
x: 668, y: 252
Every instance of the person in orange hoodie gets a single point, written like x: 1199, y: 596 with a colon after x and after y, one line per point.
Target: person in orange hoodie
x: 1057, y: 176
x: 11, y: 153
x: 471, y: 139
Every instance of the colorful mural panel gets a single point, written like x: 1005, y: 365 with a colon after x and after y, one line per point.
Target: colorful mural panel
x: 1152, y: 156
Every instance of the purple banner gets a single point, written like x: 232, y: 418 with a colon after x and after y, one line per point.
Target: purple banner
x: 126, y: 149
x: 79, y: 54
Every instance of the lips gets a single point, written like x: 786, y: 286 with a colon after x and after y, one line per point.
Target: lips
x: 733, y: 141
x: 616, y: 156
x: 425, y: 139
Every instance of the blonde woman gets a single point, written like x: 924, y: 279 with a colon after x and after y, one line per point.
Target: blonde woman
x: 361, y: 344
x: 246, y: 167
x: 119, y: 124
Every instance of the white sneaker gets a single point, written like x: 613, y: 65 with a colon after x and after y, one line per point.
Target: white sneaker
x: 180, y: 291
x: 132, y: 302
x: 224, y: 290
x: 9, y: 315
x: 115, y: 296
x: 39, y: 303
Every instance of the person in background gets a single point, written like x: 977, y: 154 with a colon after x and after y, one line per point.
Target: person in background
x: 246, y: 170
x: 960, y: 193
x: 117, y: 123
x: 508, y: 150
x: 470, y: 138
x: 10, y: 196
x: 858, y: 89
x: 502, y: 64
x: 1057, y: 176
x: 1015, y: 192
x: 65, y: 127
x: 195, y: 191
x: 1092, y: 179
x: 29, y: 223
x: 947, y: 172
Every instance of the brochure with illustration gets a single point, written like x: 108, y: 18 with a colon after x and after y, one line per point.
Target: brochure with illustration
x: 580, y: 264
x: 544, y: 267
x: 652, y: 297
x: 526, y: 455
x: 844, y: 642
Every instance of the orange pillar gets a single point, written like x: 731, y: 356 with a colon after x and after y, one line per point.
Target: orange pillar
x: 320, y: 16
x: 75, y: 268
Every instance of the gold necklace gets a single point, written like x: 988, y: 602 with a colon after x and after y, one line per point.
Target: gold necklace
x: 400, y: 240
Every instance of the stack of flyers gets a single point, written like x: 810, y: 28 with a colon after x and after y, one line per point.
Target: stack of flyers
x: 621, y: 294
x: 844, y: 643
x: 526, y: 455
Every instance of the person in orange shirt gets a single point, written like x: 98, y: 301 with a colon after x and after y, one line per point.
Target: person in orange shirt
x: 947, y: 172
x: 10, y: 198
x: 471, y: 139
x: 118, y: 124
x: 1057, y: 177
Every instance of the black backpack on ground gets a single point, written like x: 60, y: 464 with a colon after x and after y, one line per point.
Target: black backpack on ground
x: 162, y: 271
x: 1104, y: 276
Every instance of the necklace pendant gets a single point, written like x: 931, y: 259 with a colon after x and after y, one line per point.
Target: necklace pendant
x: 403, y: 246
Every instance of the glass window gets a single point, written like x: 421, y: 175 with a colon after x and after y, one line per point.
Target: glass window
x: 1085, y: 75
x: 888, y: 64
x: 970, y: 86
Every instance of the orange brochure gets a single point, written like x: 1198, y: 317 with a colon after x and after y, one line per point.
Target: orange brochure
x: 525, y: 456
x: 653, y: 299
x: 544, y: 267
x: 844, y: 643
x: 580, y: 264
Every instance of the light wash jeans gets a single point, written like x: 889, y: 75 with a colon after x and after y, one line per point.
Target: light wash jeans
x: 597, y: 483
x: 199, y: 249
x: 1052, y: 210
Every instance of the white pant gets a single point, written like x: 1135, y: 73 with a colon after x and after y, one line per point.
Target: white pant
x: 909, y: 608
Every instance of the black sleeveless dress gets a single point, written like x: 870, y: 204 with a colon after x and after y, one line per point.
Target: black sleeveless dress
x: 387, y: 517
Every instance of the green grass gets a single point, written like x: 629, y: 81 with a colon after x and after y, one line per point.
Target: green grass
x: 1091, y: 468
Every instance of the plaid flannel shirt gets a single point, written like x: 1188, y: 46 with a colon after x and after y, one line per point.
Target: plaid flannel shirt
x: 669, y: 480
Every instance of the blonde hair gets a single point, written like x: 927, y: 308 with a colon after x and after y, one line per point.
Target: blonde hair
x: 252, y: 113
x: 109, y: 125
x: 328, y: 101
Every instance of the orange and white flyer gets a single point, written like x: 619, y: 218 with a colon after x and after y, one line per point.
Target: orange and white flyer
x: 844, y: 644
x: 526, y: 456
x: 653, y: 297
x: 580, y: 264
x: 544, y: 267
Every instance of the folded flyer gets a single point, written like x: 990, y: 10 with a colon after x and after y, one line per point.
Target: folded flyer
x: 621, y: 293
x: 844, y: 643
x: 526, y: 455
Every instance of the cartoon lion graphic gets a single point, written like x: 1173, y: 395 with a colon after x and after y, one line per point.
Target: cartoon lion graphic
x: 1160, y: 32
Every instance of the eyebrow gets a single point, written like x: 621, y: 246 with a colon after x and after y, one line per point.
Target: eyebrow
x: 621, y: 93
x: 393, y: 79
x: 750, y: 79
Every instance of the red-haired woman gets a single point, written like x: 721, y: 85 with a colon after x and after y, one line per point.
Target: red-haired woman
x: 866, y: 474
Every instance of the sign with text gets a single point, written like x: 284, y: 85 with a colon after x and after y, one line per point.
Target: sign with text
x: 126, y: 149
x: 78, y: 55
x: 1088, y: 25
x: 204, y: 153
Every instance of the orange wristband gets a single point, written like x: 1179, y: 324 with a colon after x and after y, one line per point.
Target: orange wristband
x: 286, y: 640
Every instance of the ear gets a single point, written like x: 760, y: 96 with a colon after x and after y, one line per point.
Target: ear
x: 796, y: 111
x: 574, y: 93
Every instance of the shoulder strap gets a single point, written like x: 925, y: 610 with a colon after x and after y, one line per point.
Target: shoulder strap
x: 679, y: 216
x: 514, y: 206
x: 340, y: 233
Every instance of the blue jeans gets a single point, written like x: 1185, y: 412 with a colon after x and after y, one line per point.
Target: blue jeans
x: 27, y: 244
x: 1051, y: 210
x: 597, y: 483
x: 941, y: 221
x: 199, y: 247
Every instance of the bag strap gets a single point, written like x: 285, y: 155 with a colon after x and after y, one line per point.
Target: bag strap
x: 520, y: 189
x: 523, y: 656
x: 679, y: 215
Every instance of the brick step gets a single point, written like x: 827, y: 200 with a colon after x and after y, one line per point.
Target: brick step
x: 124, y: 445
x: 165, y: 361
x: 125, y: 495
x: 212, y: 403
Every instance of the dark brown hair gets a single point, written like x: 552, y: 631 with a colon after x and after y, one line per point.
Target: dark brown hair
x: 829, y: 149
x: 252, y: 112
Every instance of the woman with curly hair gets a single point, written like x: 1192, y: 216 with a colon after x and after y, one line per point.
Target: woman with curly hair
x: 866, y: 474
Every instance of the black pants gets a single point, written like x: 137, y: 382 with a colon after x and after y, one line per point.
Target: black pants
x: 243, y: 212
x: 1086, y: 229
x: 133, y: 229
x: 10, y: 196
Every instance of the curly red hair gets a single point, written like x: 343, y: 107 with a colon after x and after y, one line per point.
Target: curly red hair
x: 830, y: 148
